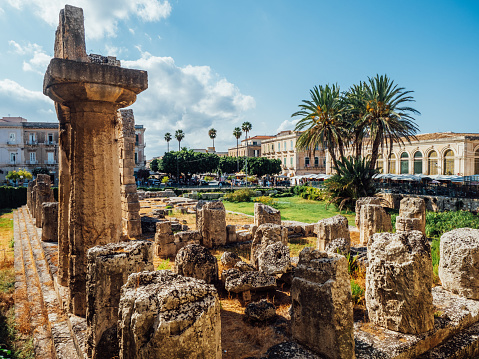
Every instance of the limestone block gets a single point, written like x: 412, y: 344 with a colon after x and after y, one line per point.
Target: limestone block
x: 266, y: 214
x: 362, y: 201
x: 459, y: 264
x: 243, y: 236
x: 244, y: 267
x: 260, y: 312
x: 163, y: 315
x: 43, y: 193
x: 231, y: 233
x: 196, y: 261
x: 238, y: 282
x: 339, y: 245
x: 321, y: 304
x: 412, y: 208
x: 374, y: 219
x: 50, y: 222
x: 229, y: 259
x: 29, y: 195
x: 331, y: 228
x: 148, y: 224
x: 187, y: 237
x: 108, y: 269
x: 211, y: 222
x: 265, y: 235
x: 274, y: 259
x: 399, y: 281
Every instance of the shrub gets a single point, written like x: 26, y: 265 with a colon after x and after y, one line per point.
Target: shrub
x: 441, y: 222
x: 241, y: 195
x: 13, y: 197
x: 267, y: 200
x: 357, y: 292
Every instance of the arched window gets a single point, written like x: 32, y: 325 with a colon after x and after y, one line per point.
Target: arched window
x: 432, y: 163
x: 404, y: 163
x: 392, y: 163
x: 418, y: 163
x: 448, y: 162
x: 476, y: 163
x: 380, y: 164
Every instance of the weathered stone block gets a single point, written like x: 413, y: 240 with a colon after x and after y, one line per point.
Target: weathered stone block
x: 399, y: 282
x: 362, y: 201
x: 231, y: 233
x: 330, y: 229
x: 196, y: 261
x: 266, y: 214
x: 321, y: 303
x: 459, y: 263
x: 163, y: 315
x: 374, y: 219
x: 265, y: 235
x: 229, y: 259
x: 274, y: 259
x: 412, y: 215
x: 339, y: 245
x: 108, y: 269
x: 43, y: 193
x: 211, y: 222
x: 50, y: 222
x: 237, y: 281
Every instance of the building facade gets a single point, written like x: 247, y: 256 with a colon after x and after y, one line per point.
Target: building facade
x: 31, y: 145
x: 293, y: 162
x: 444, y: 153
x: 253, y: 149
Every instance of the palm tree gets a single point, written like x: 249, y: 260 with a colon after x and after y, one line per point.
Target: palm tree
x: 354, y: 110
x: 246, y: 127
x: 387, y: 118
x: 212, y: 134
x: 237, y: 133
x: 168, y: 139
x: 322, y: 121
x: 179, y: 135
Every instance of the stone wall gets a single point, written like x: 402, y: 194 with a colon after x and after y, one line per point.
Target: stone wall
x: 434, y: 203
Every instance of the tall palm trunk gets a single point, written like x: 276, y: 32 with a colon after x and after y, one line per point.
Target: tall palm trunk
x: 237, y: 156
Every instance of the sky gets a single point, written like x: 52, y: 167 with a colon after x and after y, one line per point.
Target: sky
x: 216, y: 63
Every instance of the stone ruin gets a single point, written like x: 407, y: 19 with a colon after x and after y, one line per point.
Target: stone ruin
x: 130, y: 204
x: 322, y: 310
x: 87, y: 94
x: 412, y: 215
x: 333, y: 234
x: 108, y: 269
x: 197, y: 262
x: 399, y: 281
x: 373, y: 219
x: 266, y: 254
x: 362, y: 201
x: 50, y: 221
x: 266, y: 214
x: 211, y: 223
x: 164, y: 315
x: 167, y: 243
x: 38, y: 192
x: 459, y: 264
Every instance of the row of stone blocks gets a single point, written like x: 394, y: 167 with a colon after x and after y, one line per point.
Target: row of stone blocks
x: 135, y: 312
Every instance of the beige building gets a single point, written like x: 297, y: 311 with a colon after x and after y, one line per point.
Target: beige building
x: 254, y: 147
x: 444, y: 153
x: 293, y: 162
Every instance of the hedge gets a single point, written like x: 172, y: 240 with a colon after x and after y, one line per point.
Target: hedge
x: 14, y: 197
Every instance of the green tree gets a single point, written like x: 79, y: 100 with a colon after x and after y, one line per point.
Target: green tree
x: 387, y: 117
x: 212, y: 134
x: 354, y: 111
x: 142, y: 174
x: 154, y: 165
x: 21, y: 174
x: 179, y: 135
x: 322, y: 121
x: 40, y: 170
x: 228, y: 164
x: 168, y: 139
x: 260, y: 166
x: 237, y: 133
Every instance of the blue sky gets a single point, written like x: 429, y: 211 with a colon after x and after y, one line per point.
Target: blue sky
x: 214, y: 63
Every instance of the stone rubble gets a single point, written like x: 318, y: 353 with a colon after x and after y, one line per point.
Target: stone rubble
x: 211, y: 223
x: 332, y: 228
x: 362, y: 201
x: 265, y: 235
x: 266, y: 214
x: 260, y: 312
x: 229, y: 259
x: 197, y: 262
x: 374, y: 219
x: 50, y: 221
x: 412, y: 215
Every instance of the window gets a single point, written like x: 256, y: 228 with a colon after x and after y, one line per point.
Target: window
x: 33, y: 157
x: 380, y: 164
x: 404, y: 163
x: 476, y: 163
x: 137, y: 139
x: 316, y: 161
x: 272, y: 147
x: 306, y: 162
x: 449, y: 162
x: 11, y: 138
x: 284, y: 161
x: 13, y: 157
x: 51, y: 158
x: 255, y: 143
x: 392, y: 163
x: 291, y: 161
x: 136, y: 156
x: 418, y: 163
x: 279, y: 146
x: 32, y: 138
x: 292, y: 147
x: 432, y: 163
x: 284, y: 145
x: 50, y: 138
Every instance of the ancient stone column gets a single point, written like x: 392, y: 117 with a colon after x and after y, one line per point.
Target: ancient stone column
x: 211, y: 222
x: 332, y: 228
x: 266, y: 214
x: 130, y: 204
x: 197, y: 262
x: 43, y: 193
x: 93, y: 92
x: 362, y: 201
x: 412, y: 215
x: 399, y: 282
x: 50, y: 221
x: 374, y: 219
x: 108, y: 269
x: 266, y: 235
x: 29, y: 195
x: 164, y: 315
x: 459, y: 264
x: 322, y: 316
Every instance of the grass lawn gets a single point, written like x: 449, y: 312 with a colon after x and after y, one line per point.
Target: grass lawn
x: 294, y: 209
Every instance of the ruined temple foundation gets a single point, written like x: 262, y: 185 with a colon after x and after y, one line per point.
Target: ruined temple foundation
x: 92, y: 92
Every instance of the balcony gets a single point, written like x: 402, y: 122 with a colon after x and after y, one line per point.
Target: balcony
x: 31, y: 143
x: 50, y: 162
x: 50, y: 143
x: 12, y: 143
x: 32, y: 162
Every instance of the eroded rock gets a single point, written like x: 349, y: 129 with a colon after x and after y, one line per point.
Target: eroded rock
x: 196, y: 261
x: 274, y: 259
x: 412, y: 215
x: 50, y: 221
x: 374, y: 219
x: 362, y: 201
x: 266, y: 214
x: 238, y: 282
x: 229, y: 259
x: 211, y: 223
x: 260, y: 312
x: 332, y: 228
x: 265, y: 235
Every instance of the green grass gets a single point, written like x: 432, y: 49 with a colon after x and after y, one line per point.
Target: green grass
x: 357, y: 292
x: 296, y: 245
x: 165, y: 264
x: 294, y: 209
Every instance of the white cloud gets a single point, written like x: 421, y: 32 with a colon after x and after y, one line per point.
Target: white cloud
x: 132, y: 31
x: 191, y: 98
x: 101, y: 17
x: 287, y: 125
x: 13, y: 90
x: 39, y: 59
